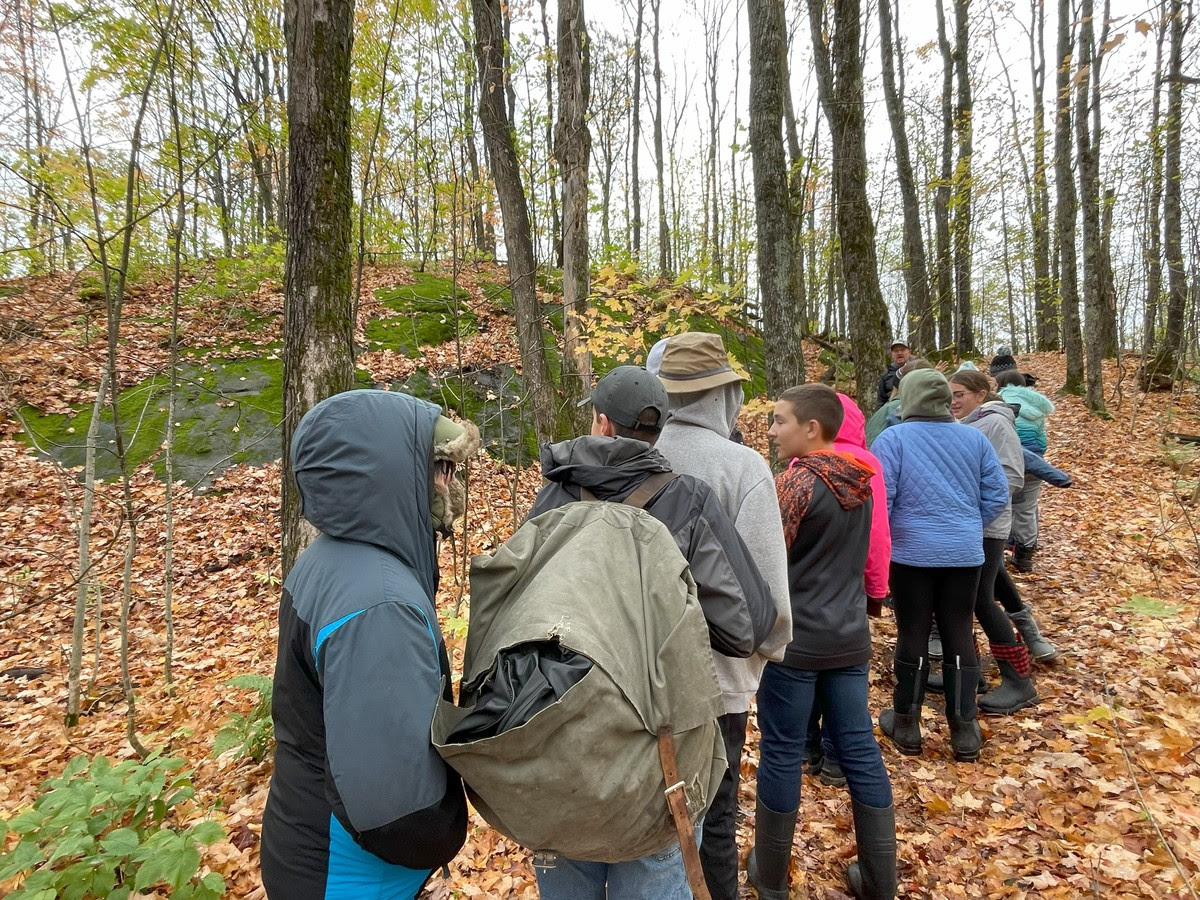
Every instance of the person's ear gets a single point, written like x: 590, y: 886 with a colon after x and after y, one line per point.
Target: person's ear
x: 813, y: 431
x: 606, y: 425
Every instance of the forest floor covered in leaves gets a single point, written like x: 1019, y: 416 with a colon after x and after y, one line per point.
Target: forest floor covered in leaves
x: 1093, y: 792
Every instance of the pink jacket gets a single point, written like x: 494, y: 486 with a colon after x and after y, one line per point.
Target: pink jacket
x: 852, y: 439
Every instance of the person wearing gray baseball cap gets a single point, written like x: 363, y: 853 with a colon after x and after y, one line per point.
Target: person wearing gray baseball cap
x: 618, y: 462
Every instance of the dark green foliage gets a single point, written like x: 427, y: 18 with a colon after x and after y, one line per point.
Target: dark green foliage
x: 105, y: 831
x: 250, y: 733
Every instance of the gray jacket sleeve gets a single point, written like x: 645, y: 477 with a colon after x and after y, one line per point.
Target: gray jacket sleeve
x: 761, y: 526
x: 1003, y: 437
x: 737, y: 601
x: 381, y: 675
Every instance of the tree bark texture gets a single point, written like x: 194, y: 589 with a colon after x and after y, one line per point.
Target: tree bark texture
x: 781, y: 325
x: 1089, y: 196
x: 518, y: 237
x: 1172, y: 201
x: 1154, y: 203
x: 665, y: 263
x: 573, y: 145
x: 318, y: 324
x: 840, y: 87
x: 922, y: 325
x: 1045, y: 305
x: 964, y: 334
x: 636, y: 139
x: 943, y: 265
x: 1066, y: 205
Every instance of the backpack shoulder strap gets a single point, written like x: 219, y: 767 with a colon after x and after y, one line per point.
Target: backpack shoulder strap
x: 585, y: 494
x: 649, y: 489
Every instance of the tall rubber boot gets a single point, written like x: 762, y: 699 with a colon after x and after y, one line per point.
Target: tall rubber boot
x: 965, y: 735
x: 902, y: 723
x: 873, y: 876
x: 771, y: 857
x: 1023, y: 558
x: 1039, y: 648
x: 1016, y: 690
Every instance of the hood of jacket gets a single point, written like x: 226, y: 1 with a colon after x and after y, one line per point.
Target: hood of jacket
x: 609, y: 467
x: 854, y: 425
x: 363, y: 466
x: 715, y: 409
x: 991, y: 408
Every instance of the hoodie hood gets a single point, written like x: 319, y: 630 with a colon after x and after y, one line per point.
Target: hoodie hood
x: 363, y: 465
x: 854, y: 425
x: 991, y: 408
x: 715, y: 409
x: 609, y: 467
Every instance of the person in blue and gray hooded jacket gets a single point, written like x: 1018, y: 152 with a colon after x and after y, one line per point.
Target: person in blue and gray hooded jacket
x: 361, y: 805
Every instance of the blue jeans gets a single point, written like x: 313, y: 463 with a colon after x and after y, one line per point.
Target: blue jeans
x: 785, y: 699
x: 658, y: 875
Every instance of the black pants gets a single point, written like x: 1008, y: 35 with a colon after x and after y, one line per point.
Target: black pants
x: 991, y: 617
x: 718, y: 849
x: 922, y: 594
x: 1007, y: 593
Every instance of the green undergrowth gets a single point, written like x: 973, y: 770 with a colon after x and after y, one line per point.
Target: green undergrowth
x: 426, y: 315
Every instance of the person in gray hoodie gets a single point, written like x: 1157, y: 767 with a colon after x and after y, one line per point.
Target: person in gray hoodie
x: 705, y: 399
x: 973, y: 403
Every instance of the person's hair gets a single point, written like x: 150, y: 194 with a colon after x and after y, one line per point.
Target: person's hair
x: 647, y: 430
x: 816, y: 401
x: 975, y: 381
x: 1010, y: 378
x: 917, y: 362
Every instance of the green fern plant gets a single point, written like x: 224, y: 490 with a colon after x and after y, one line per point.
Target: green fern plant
x: 252, y: 733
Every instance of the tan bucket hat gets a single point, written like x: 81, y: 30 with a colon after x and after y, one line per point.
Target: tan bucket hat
x: 696, y: 361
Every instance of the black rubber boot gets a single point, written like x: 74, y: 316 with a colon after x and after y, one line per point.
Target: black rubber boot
x: 1015, y: 691
x: 902, y: 723
x: 873, y: 876
x: 965, y: 735
x: 771, y: 857
x: 1023, y: 558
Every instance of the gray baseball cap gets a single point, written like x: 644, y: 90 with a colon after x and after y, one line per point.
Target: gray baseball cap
x: 625, y: 393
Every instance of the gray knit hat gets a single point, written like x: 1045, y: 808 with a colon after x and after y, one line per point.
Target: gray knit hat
x: 924, y: 393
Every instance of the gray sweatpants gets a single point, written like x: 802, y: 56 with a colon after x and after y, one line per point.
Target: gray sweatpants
x: 1025, y: 513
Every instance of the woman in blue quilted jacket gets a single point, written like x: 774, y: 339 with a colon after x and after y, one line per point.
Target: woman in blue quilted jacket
x: 944, y: 484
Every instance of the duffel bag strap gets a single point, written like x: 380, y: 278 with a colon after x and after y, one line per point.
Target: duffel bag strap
x: 648, y: 489
x: 677, y: 804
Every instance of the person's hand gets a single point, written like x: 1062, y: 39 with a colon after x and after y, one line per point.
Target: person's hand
x: 875, y: 607
x: 942, y: 366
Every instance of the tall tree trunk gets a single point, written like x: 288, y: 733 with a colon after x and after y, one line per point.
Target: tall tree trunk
x: 573, y: 145
x: 797, y: 199
x: 943, y: 270
x: 1066, y: 204
x: 664, y: 234
x: 318, y: 320
x: 518, y: 238
x: 840, y: 87
x: 1172, y: 356
x: 1154, y: 200
x: 963, y: 184
x: 552, y: 164
x: 1045, y: 305
x: 1110, y: 327
x: 921, y: 323
x: 636, y: 139
x: 781, y: 326
x: 1089, y: 195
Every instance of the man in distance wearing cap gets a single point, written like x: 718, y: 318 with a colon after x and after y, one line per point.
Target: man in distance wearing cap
x: 705, y: 398
x: 629, y: 407
x: 890, y: 377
